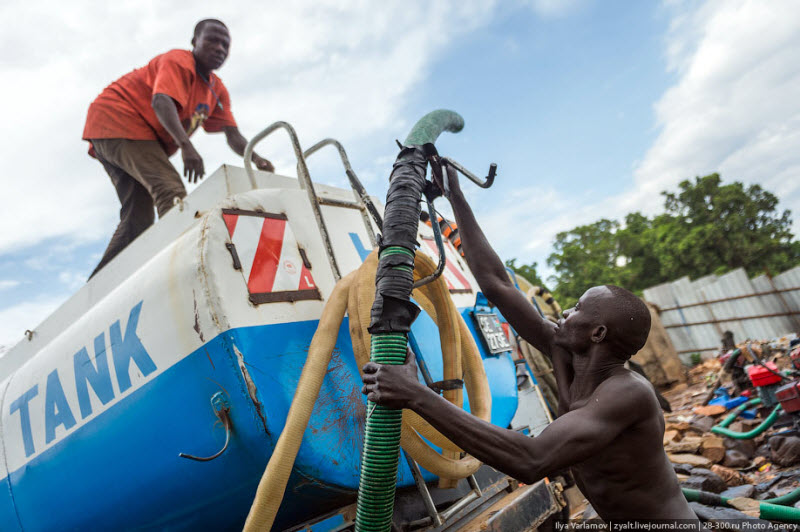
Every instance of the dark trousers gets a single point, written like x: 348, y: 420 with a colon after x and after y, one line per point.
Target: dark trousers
x: 143, y: 177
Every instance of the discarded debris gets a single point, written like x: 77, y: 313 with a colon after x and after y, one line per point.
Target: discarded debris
x: 745, y: 490
x: 735, y: 459
x: 743, y: 442
x: 691, y: 459
x: 746, y: 506
x: 687, y: 445
x: 785, y: 449
x: 730, y: 476
x: 709, y: 410
x: 713, y: 448
x: 705, y: 480
x: 671, y: 436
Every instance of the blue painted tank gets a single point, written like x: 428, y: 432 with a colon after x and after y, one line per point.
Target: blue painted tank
x: 221, y: 297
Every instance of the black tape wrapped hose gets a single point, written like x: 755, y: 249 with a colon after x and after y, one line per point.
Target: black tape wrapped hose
x: 393, y: 313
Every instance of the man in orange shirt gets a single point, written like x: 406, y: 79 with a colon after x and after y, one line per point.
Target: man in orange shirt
x: 141, y: 119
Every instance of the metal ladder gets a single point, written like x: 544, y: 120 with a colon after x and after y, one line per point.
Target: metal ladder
x: 362, y: 200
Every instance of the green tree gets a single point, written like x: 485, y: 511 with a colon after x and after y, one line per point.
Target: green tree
x: 640, y: 264
x: 528, y: 271
x: 714, y: 228
x: 582, y: 256
x: 707, y: 227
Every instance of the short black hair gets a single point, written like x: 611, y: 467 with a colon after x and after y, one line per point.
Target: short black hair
x: 198, y: 29
x: 629, y: 326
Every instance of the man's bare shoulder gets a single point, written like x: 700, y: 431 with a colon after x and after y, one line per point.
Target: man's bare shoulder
x: 627, y: 390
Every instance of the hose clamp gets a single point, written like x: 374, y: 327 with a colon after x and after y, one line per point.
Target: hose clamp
x: 450, y: 384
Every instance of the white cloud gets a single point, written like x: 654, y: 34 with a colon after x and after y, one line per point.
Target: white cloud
x: 524, y: 223
x: 339, y: 69
x: 8, y: 283
x: 734, y: 107
x: 72, y: 280
x: 555, y: 8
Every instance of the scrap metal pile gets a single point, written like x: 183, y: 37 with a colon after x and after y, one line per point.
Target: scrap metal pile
x: 733, y: 434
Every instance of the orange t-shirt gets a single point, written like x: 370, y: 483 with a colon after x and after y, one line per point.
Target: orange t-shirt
x: 124, y: 109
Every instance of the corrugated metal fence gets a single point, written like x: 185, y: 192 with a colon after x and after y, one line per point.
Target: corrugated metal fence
x: 697, y: 313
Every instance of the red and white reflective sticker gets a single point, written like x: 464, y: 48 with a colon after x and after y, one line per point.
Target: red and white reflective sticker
x: 269, y: 255
x: 455, y: 278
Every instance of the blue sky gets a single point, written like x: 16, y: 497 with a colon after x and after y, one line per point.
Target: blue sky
x: 589, y: 108
x: 565, y: 99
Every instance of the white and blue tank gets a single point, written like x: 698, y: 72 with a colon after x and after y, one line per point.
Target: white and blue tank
x: 213, y: 307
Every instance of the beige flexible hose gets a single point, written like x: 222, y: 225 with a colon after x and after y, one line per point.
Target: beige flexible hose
x: 456, y: 342
x: 355, y: 293
x: 272, y: 485
x: 549, y: 306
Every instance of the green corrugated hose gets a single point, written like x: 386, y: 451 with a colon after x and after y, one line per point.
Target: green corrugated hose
x: 381, y: 452
x: 767, y: 510
x: 738, y: 410
x: 786, y: 500
x: 767, y: 423
x: 380, y: 456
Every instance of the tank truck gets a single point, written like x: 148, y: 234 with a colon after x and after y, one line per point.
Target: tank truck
x: 156, y: 395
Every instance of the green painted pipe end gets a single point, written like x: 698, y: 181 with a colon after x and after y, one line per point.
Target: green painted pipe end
x: 429, y: 127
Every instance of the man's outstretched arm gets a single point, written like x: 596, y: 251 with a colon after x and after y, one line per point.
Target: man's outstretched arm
x: 490, y: 272
x: 570, y: 439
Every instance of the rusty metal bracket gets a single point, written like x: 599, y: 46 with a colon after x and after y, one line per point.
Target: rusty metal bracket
x: 237, y: 264
x: 449, y: 384
x: 289, y: 296
x: 483, y: 183
x: 222, y: 409
x: 437, y: 235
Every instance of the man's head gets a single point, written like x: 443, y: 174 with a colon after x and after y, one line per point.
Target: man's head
x: 210, y: 44
x: 605, y: 314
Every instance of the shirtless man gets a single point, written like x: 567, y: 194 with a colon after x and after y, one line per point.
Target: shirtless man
x: 610, y: 427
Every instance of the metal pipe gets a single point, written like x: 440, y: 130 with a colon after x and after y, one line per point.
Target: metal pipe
x: 483, y: 183
x: 473, y: 483
x: 708, y: 322
x: 355, y: 184
x: 732, y: 298
x: 437, y: 237
x: 341, y: 203
x: 427, y: 500
x: 302, y: 176
x: 466, y: 500
x: 699, y: 350
x: 544, y: 402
